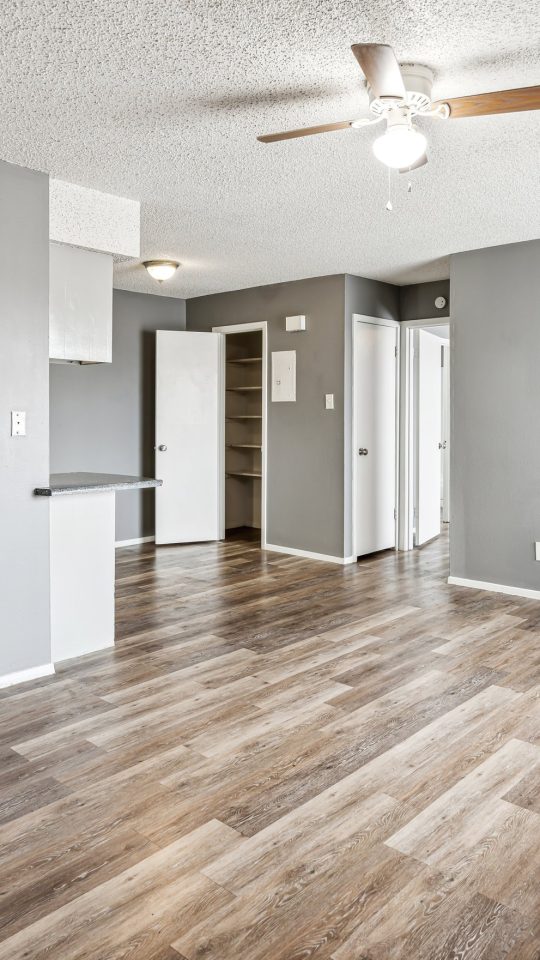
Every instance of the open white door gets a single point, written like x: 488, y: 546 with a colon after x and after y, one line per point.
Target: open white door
x: 375, y: 382
x: 428, y: 435
x: 189, y: 436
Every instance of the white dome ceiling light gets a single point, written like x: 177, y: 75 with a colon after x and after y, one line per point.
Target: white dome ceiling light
x: 161, y: 270
x: 401, y: 146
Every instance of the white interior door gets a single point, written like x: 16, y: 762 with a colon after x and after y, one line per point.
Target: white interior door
x: 428, y: 435
x: 189, y: 437
x: 446, y: 434
x: 375, y: 379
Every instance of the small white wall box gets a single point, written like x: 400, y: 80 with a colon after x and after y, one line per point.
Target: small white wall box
x: 295, y: 323
x: 284, y: 376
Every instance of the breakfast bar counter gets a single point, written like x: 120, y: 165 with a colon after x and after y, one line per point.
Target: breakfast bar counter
x: 82, y: 545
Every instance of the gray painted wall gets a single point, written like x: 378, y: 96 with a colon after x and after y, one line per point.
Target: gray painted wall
x: 372, y: 299
x: 24, y: 381
x: 417, y: 301
x: 495, y: 492
x: 102, y: 415
x: 306, y: 443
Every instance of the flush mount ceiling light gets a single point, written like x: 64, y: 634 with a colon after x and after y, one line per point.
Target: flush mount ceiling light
x: 161, y: 269
x: 401, y: 146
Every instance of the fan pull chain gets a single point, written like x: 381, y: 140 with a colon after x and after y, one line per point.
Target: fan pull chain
x: 389, y: 206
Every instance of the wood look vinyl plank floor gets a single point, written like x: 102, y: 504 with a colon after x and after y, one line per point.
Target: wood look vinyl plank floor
x: 280, y: 759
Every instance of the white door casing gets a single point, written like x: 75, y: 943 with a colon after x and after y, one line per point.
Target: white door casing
x: 428, y: 429
x: 375, y: 434
x: 446, y: 434
x: 189, y: 406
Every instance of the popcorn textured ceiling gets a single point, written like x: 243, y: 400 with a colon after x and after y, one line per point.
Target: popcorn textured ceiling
x: 161, y: 102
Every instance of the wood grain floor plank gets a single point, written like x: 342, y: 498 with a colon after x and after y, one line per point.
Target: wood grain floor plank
x: 279, y: 759
x: 443, y: 823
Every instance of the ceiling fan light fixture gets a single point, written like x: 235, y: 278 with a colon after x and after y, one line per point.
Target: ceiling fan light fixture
x: 161, y: 269
x: 400, y: 146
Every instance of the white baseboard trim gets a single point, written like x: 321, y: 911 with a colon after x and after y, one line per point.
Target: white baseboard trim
x: 134, y: 542
x: 495, y: 587
x: 23, y: 676
x: 307, y: 554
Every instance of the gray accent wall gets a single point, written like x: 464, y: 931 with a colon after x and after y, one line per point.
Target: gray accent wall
x: 24, y: 382
x: 102, y: 415
x: 495, y: 492
x: 306, y: 442
x: 417, y: 300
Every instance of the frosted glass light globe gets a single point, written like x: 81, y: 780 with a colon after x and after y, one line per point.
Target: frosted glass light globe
x: 161, y: 269
x: 400, y: 146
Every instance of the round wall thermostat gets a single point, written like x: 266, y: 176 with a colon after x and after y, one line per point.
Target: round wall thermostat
x: 440, y: 302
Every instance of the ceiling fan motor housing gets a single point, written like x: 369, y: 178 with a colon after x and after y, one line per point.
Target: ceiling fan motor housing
x: 418, y: 82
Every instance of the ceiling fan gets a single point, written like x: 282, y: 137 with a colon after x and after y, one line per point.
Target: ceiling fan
x: 398, y: 94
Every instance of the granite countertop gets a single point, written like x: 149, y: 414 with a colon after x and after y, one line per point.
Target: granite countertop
x: 62, y: 483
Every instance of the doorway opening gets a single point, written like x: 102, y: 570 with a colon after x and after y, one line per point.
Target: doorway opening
x: 426, y: 422
x: 244, y: 431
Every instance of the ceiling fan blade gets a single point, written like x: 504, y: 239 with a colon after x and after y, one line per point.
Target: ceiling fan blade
x: 500, y: 101
x: 305, y: 131
x: 381, y: 70
x: 414, y: 166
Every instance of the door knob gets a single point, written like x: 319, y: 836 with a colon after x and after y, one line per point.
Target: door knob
x: 363, y: 451
x: 162, y: 447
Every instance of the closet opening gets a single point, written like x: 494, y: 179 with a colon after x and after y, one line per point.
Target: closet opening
x: 244, y: 433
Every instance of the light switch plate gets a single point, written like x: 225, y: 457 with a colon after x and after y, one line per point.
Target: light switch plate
x: 329, y: 401
x: 18, y: 423
x: 537, y: 550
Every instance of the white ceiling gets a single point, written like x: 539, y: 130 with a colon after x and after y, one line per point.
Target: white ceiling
x: 441, y: 330
x: 162, y: 102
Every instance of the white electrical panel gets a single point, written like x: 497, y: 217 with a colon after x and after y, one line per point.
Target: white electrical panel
x: 284, y: 376
x: 295, y: 323
x: 18, y: 423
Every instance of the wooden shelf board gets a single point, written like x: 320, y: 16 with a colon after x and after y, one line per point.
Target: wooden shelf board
x: 242, y: 473
x: 246, y: 416
x: 244, y: 389
x: 246, y: 446
x: 246, y: 360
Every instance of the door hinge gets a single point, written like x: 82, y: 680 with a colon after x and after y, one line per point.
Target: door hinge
x: 395, y: 351
x: 395, y: 514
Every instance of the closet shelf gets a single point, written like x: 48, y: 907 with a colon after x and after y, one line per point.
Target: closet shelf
x: 246, y: 360
x: 244, y: 389
x: 246, y: 416
x: 242, y: 473
x: 246, y: 446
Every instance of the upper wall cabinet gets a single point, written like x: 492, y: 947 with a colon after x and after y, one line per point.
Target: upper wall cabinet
x: 80, y: 304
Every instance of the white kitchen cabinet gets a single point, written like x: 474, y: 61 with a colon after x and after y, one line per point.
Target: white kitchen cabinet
x: 80, y: 304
